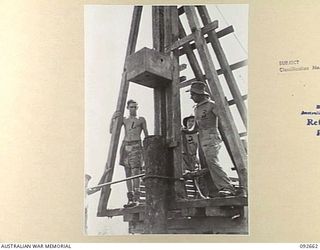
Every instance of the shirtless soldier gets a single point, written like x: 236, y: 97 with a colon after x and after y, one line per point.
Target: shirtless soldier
x: 131, y: 154
x: 206, y: 117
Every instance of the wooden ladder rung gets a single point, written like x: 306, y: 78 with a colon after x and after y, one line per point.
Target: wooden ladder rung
x: 189, y: 38
x: 219, y: 71
x: 221, y: 33
x: 232, y: 102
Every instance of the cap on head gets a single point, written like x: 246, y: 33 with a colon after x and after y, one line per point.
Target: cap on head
x: 199, y: 88
x: 185, y: 120
x: 131, y: 101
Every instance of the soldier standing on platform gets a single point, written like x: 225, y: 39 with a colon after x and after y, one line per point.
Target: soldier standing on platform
x: 206, y: 117
x: 131, y: 152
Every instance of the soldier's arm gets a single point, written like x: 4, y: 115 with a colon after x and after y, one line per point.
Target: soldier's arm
x: 116, y: 115
x: 214, y: 108
x: 144, y: 127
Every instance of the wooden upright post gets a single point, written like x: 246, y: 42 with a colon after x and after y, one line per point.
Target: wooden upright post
x: 159, y: 93
x: 156, y: 185
x: 171, y: 35
x: 113, y: 146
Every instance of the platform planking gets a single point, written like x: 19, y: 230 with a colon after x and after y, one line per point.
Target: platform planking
x: 199, y: 225
x: 186, y: 204
x: 212, y: 202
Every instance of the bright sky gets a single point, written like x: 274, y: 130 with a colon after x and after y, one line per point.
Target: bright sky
x: 106, y: 35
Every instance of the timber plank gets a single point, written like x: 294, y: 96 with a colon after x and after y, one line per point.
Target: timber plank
x: 213, y: 202
x: 207, y: 225
x: 187, y: 39
x: 219, y: 72
x: 122, y: 211
x: 221, y: 33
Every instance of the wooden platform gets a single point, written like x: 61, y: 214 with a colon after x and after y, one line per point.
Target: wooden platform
x: 225, y: 215
x: 200, y: 225
x: 192, y: 203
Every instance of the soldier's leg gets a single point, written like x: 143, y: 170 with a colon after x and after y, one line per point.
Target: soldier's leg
x: 209, y: 189
x: 135, y: 161
x: 219, y: 177
x: 128, y: 174
x: 129, y: 187
x: 136, y: 184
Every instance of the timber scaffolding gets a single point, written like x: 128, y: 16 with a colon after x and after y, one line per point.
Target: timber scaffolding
x: 169, y: 203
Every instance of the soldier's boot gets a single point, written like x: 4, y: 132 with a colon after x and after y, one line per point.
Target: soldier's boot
x: 131, y: 202
x: 241, y: 192
x: 226, y: 192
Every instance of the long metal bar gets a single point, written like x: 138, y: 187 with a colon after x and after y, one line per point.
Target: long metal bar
x: 114, y: 182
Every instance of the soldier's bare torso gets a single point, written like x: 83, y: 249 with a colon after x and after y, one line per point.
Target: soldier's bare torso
x: 133, y: 128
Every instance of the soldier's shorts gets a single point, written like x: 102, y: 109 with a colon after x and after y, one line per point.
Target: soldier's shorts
x: 211, y: 144
x: 131, y: 154
x: 190, y: 162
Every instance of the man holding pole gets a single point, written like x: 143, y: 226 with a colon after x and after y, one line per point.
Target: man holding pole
x: 131, y: 152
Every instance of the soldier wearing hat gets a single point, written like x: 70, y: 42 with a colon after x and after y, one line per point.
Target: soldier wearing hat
x: 190, y: 145
x: 206, y: 118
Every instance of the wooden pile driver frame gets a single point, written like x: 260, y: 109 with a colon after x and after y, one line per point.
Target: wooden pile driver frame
x: 159, y: 69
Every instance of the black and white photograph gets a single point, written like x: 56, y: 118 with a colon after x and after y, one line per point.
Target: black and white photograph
x: 166, y: 100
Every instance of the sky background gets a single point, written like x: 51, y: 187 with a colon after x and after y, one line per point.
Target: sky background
x: 106, y: 34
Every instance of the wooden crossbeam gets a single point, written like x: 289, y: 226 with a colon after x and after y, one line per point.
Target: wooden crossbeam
x: 195, y: 66
x: 230, y: 79
x: 221, y: 212
x: 187, y: 39
x: 207, y: 225
x: 232, y: 102
x: 221, y: 33
x: 226, y: 119
x: 124, y: 86
x: 226, y: 31
x: 219, y: 71
x: 122, y: 211
x: 185, y: 204
x: 237, y: 65
x: 243, y: 134
x: 213, y: 202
